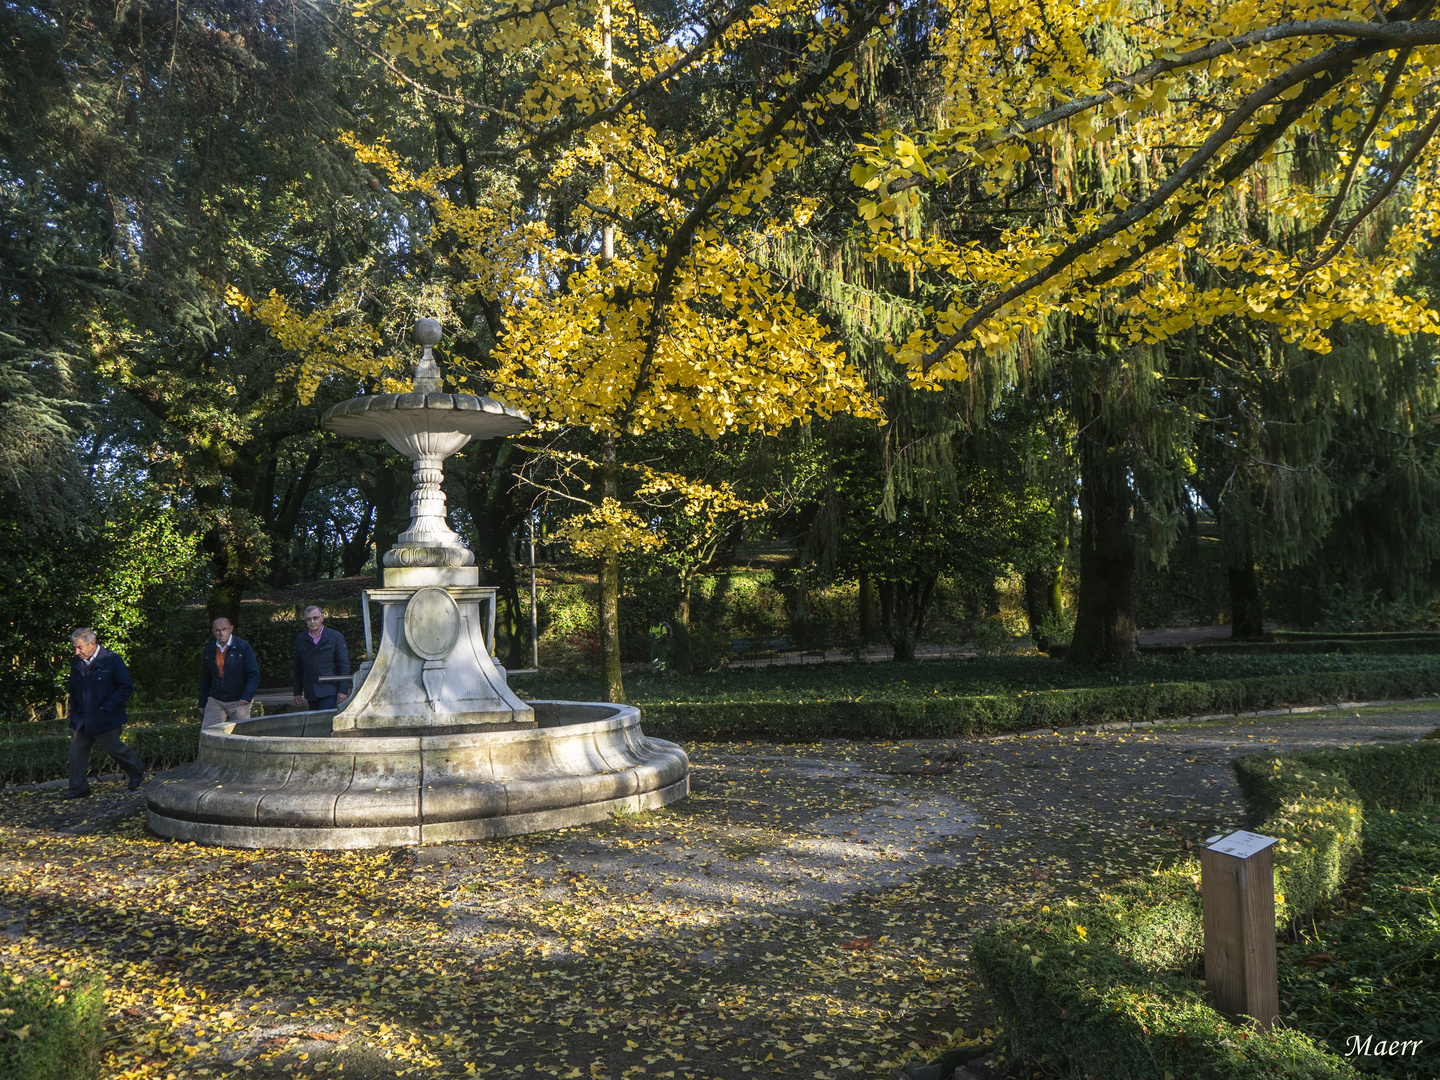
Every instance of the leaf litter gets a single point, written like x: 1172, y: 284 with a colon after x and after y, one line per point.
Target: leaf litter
x: 806, y: 912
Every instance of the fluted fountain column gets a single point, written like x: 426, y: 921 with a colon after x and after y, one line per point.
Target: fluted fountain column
x: 433, y: 670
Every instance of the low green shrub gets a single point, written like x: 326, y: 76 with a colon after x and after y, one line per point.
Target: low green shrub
x: 1107, y: 987
x: 46, y: 757
x: 1344, y: 646
x: 1398, y: 777
x: 50, y: 1030
x: 940, y: 716
x: 166, y: 737
x: 1318, y: 819
x: 1001, y: 676
x: 1072, y: 995
x: 1376, y: 972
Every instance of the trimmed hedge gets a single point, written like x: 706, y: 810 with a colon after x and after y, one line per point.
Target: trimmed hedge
x: 161, y: 745
x: 965, y: 716
x: 1399, y: 777
x: 46, y: 757
x: 50, y: 1032
x: 1305, y: 647
x: 1108, y: 989
x: 1318, y: 819
x: 1094, y: 1003
x: 1378, y: 975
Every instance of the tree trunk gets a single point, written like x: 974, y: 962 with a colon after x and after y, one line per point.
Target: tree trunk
x: 1105, y: 612
x: 681, y: 652
x: 281, y: 520
x: 613, y: 683
x: 903, y: 606
x: 869, y: 614
x: 386, y: 485
x: 1039, y: 588
x: 1246, y: 609
x: 487, y: 485
x: 356, y: 546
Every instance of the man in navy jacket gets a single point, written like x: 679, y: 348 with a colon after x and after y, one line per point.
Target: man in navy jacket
x: 229, y: 675
x: 319, y: 651
x: 99, y: 687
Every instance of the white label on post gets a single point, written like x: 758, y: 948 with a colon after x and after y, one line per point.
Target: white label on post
x: 1242, y: 844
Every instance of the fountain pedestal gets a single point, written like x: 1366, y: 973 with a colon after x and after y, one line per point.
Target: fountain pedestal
x: 431, y: 745
x: 433, y: 672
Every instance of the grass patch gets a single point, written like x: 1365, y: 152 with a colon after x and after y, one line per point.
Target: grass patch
x: 804, y: 683
x: 49, y: 1029
x: 1376, y: 972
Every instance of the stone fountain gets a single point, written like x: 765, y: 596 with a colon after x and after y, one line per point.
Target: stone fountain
x: 431, y: 745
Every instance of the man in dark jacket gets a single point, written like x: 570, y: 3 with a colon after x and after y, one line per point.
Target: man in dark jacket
x: 320, y: 651
x: 229, y: 675
x: 99, y: 687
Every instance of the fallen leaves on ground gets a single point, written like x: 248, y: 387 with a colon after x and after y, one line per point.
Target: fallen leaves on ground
x: 806, y: 912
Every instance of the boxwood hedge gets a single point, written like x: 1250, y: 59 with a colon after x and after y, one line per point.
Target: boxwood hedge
x: 1109, y: 989
x: 983, y: 714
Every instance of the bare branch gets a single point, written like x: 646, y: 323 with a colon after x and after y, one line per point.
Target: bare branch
x: 1392, y: 79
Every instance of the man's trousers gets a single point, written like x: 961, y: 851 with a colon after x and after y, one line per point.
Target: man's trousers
x: 109, y: 741
x: 233, y: 711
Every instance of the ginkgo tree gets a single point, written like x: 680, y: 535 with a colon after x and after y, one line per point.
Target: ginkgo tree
x: 655, y: 315
x: 1086, y: 181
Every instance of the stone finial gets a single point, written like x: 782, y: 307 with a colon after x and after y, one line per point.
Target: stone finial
x: 427, y: 373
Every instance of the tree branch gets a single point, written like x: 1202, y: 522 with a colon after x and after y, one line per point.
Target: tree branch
x: 1392, y: 79
x: 743, y: 163
x: 1340, y: 56
x: 1380, y: 196
x: 1383, y: 37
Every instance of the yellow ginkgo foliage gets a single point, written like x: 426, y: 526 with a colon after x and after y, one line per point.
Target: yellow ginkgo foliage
x: 1162, y: 164
x: 666, y: 320
x: 608, y: 529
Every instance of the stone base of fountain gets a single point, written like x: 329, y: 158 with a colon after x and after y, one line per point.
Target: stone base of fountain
x: 292, y: 781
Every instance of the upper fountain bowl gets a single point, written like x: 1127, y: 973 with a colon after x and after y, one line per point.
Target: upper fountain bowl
x: 395, y: 417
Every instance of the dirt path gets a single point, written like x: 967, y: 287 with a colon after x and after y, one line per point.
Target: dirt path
x: 805, y: 913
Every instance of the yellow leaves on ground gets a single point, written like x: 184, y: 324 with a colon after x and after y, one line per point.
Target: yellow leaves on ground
x: 806, y: 910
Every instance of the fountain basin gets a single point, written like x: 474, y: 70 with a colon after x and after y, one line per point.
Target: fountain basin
x: 288, y: 781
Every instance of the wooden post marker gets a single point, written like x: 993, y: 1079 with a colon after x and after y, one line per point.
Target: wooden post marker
x: 1237, y: 886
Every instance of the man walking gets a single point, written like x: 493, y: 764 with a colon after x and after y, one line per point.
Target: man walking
x: 99, y: 687
x: 320, y: 651
x: 229, y: 675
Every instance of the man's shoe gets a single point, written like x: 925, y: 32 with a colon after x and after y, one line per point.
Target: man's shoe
x: 76, y: 795
x: 135, y: 785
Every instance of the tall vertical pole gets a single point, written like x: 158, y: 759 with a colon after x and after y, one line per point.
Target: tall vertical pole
x: 607, y: 241
x: 534, y: 610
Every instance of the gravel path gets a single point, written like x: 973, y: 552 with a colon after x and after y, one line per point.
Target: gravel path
x: 796, y: 828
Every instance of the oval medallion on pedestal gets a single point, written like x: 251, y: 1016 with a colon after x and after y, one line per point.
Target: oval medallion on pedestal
x: 432, y: 623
